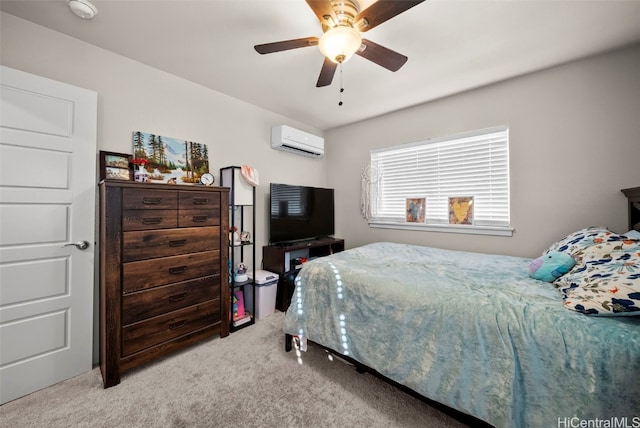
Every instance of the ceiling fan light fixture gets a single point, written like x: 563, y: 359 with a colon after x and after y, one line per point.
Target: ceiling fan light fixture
x: 340, y: 43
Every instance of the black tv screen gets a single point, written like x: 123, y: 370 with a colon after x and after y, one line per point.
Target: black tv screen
x: 300, y: 213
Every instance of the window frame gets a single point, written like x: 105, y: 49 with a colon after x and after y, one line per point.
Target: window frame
x: 486, y: 229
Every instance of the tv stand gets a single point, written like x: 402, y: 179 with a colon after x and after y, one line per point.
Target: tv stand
x: 302, y: 242
x: 281, y: 259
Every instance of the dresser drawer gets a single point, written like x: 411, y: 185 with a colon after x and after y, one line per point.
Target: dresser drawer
x: 142, y: 335
x: 161, y: 300
x: 148, y: 219
x: 196, y: 218
x: 167, y: 270
x: 143, y: 245
x: 198, y: 200
x: 142, y: 199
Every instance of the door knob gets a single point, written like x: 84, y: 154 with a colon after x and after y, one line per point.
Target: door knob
x: 80, y: 245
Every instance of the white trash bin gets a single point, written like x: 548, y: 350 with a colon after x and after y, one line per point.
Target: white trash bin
x: 266, y: 289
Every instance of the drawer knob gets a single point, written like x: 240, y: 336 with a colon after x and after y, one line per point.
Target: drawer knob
x: 200, y: 201
x: 177, y: 324
x: 177, y: 297
x: 151, y: 220
x: 177, y: 270
x: 177, y: 243
x: 200, y: 218
x: 151, y: 201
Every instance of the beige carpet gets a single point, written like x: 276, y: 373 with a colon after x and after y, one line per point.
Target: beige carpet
x: 244, y: 380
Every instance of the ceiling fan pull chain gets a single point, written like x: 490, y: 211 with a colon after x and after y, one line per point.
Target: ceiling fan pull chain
x: 341, y: 87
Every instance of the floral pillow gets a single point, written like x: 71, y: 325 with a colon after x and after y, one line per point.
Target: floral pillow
x: 576, y: 243
x: 606, y: 281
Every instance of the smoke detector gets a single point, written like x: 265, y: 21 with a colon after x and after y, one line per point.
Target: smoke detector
x: 82, y: 8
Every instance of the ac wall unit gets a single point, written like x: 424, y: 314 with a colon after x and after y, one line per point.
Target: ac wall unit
x: 293, y: 140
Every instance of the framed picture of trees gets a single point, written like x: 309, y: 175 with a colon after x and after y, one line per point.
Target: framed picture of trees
x: 168, y: 160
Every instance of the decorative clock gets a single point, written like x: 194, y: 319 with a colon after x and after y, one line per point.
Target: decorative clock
x: 207, y: 179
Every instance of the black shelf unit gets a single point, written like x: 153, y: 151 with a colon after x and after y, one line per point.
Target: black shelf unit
x: 242, y: 218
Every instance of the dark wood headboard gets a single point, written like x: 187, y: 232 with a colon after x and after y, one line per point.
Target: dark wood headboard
x: 633, y: 195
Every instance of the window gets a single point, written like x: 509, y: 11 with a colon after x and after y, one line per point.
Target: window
x: 473, y: 164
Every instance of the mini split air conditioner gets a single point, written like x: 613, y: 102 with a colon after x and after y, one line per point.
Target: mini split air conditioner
x: 293, y: 140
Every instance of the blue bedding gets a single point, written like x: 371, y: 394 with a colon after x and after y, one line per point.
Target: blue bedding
x: 472, y: 331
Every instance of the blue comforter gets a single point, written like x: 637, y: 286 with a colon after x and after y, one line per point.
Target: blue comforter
x: 471, y: 331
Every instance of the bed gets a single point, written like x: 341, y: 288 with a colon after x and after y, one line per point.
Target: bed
x: 478, y: 334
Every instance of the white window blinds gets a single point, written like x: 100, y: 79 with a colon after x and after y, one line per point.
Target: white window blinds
x: 472, y: 164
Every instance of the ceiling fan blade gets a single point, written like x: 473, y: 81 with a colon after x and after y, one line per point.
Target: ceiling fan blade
x: 326, y: 73
x: 286, y: 45
x: 385, y: 57
x: 322, y: 8
x: 382, y: 11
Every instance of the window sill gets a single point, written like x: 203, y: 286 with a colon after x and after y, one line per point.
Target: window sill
x: 445, y: 228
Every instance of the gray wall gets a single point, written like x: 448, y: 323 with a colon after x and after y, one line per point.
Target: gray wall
x: 574, y: 143
x: 135, y: 97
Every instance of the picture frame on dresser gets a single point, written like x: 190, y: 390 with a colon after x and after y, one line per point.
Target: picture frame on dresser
x: 182, y: 161
x: 115, y: 166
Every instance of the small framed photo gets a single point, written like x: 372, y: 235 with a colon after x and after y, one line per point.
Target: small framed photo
x: 415, y: 210
x: 115, y: 166
x: 461, y: 210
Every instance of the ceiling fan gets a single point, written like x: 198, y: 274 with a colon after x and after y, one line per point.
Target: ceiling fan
x: 342, y: 22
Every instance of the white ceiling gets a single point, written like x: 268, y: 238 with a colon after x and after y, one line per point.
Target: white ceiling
x: 452, y: 45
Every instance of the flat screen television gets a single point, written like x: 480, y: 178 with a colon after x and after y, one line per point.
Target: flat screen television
x: 300, y: 213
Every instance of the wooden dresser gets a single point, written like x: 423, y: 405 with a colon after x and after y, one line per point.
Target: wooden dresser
x: 164, y: 252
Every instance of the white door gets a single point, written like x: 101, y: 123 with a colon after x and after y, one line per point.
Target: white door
x: 47, y: 200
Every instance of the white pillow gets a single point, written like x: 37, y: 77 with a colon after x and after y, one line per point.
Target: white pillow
x: 633, y: 234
